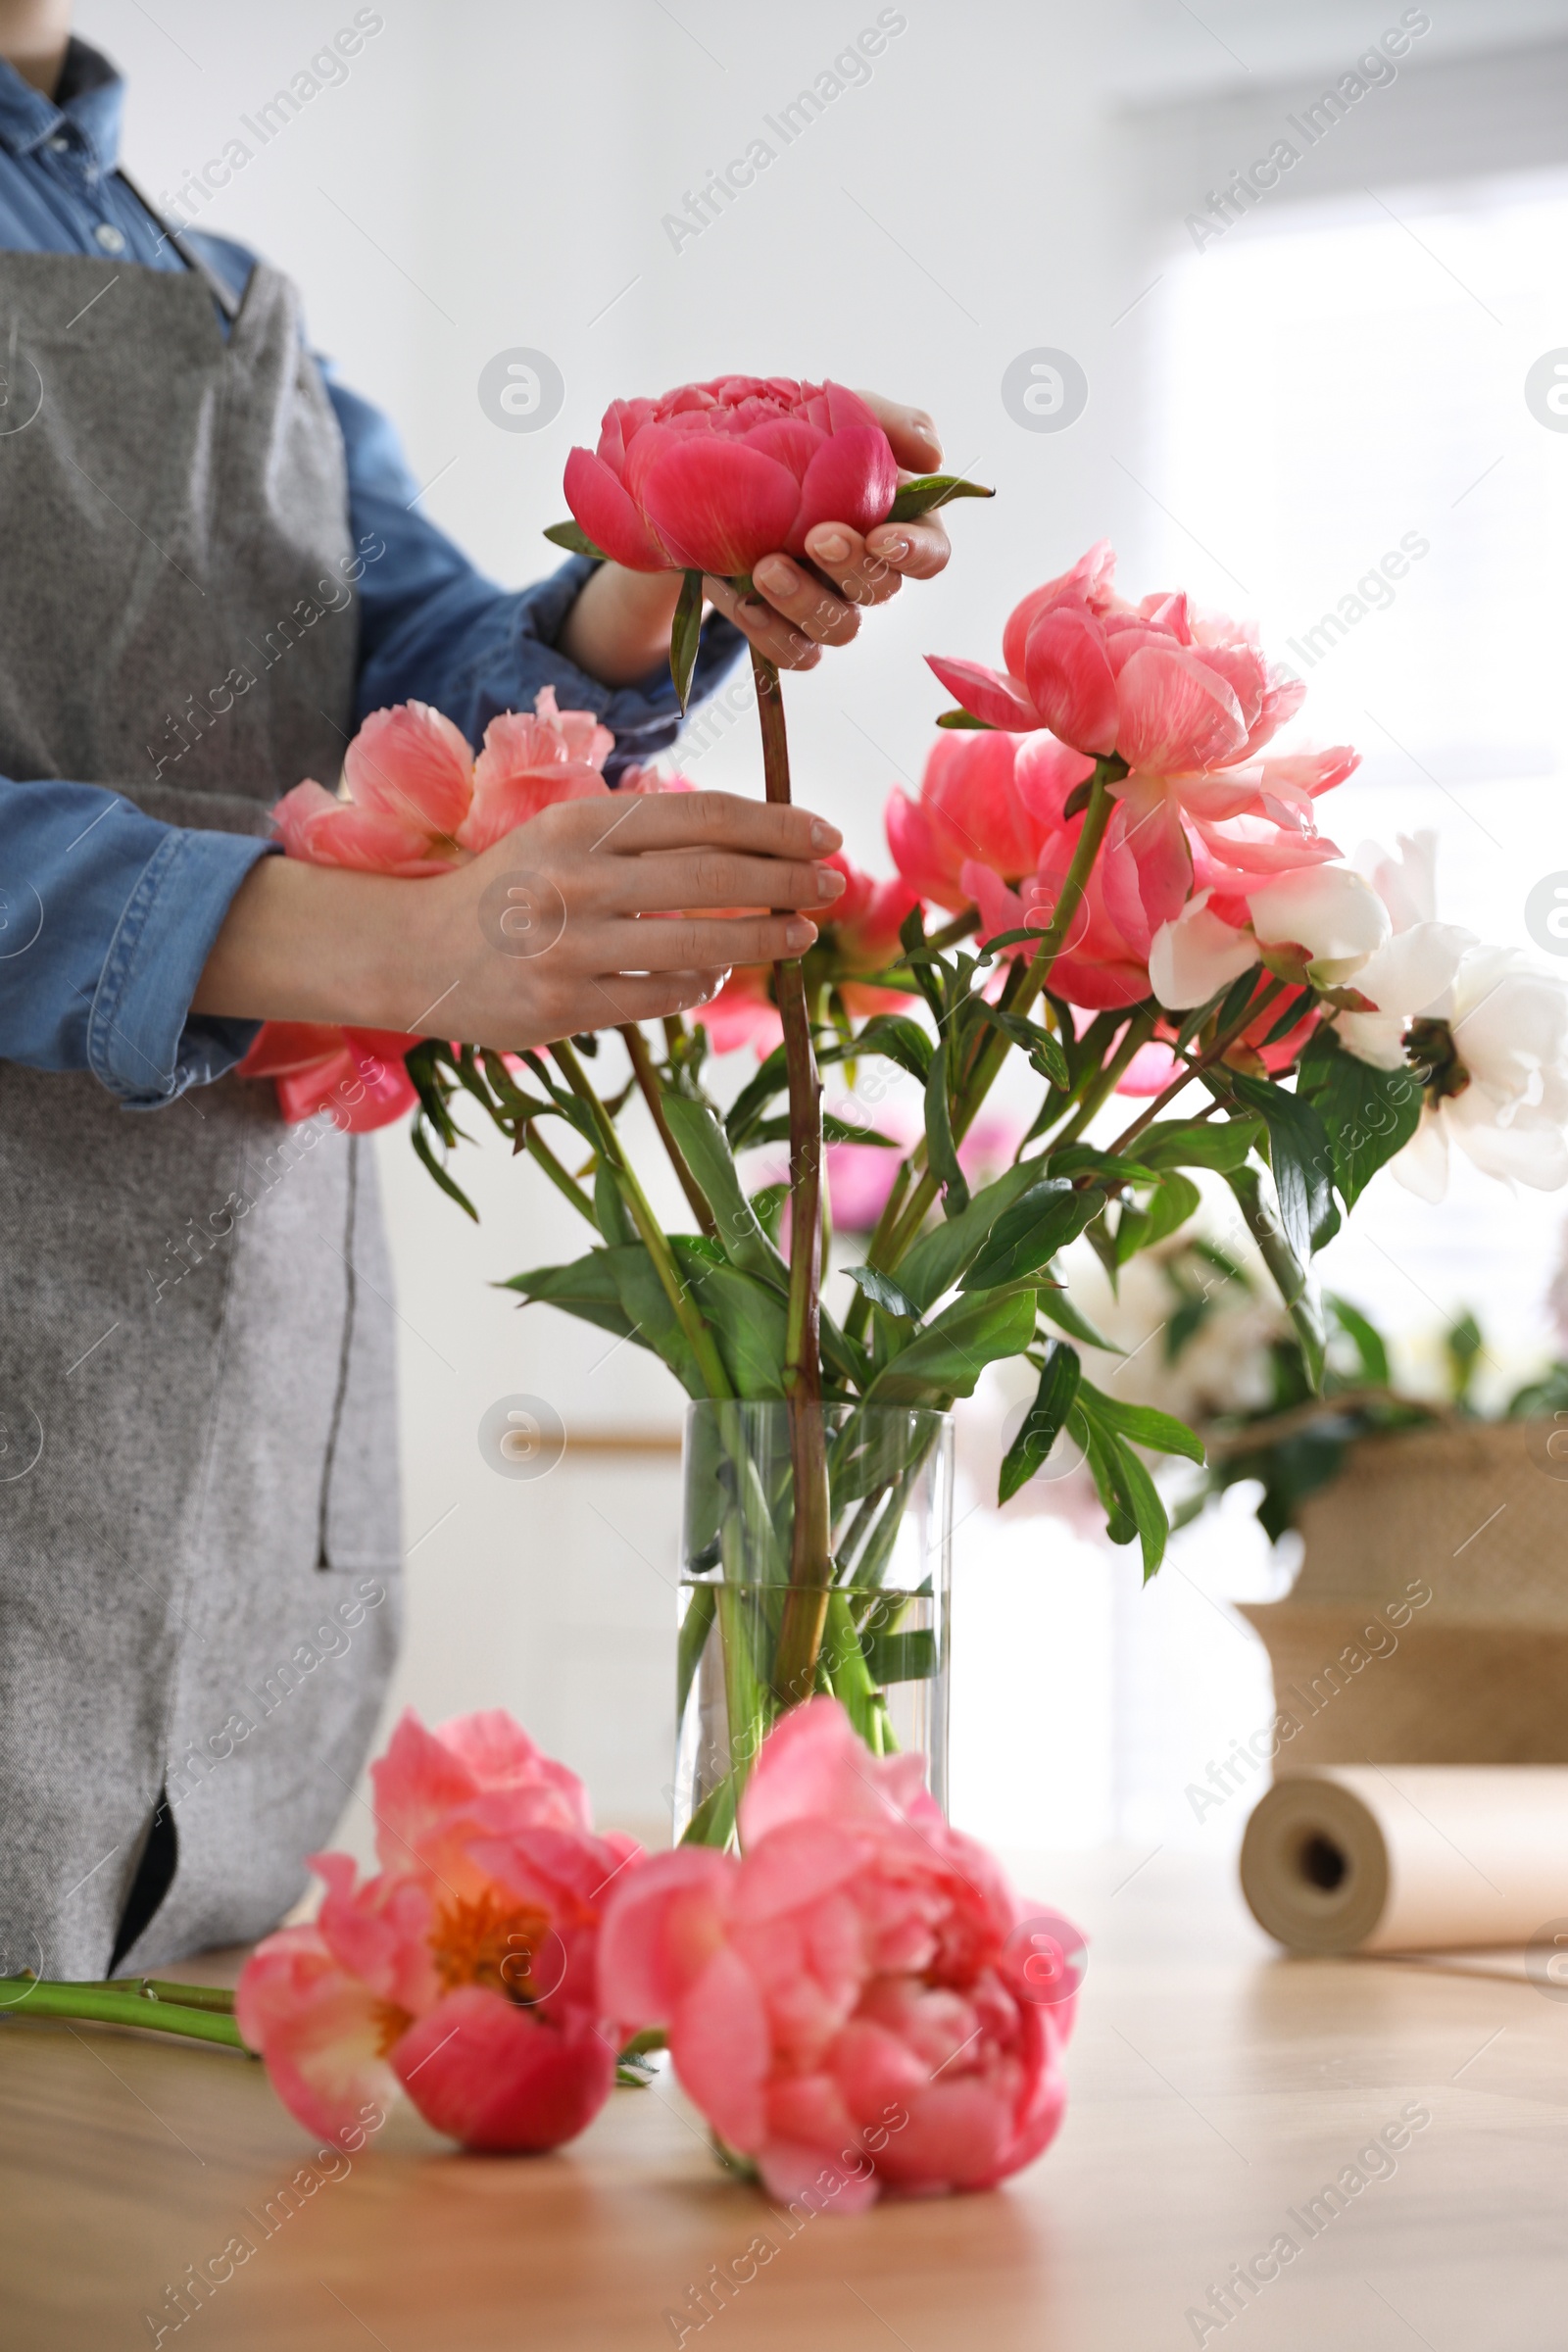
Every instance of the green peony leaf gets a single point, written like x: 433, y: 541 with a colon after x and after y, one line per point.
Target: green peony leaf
x: 1368, y: 1114
x: 575, y: 539
x: 685, y: 635
x: 928, y: 491
x: 1043, y: 1423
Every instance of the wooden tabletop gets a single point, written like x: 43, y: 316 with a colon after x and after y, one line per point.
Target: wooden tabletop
x: 1216, y: 2089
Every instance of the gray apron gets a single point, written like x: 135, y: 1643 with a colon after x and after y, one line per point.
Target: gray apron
x: 199, y: 1526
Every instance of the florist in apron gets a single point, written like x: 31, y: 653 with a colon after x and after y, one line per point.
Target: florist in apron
x: 212, y: 567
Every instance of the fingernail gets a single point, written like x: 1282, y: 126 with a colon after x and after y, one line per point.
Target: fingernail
x: 823, y: 835
x: 774, y: 573
x: 830, y: 545
x: 895, y: 549
x: 797, y: 934
x: 829, y: 882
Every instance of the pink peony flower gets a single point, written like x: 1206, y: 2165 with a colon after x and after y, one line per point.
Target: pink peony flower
x: 990, y: 819
x: 1171, y: 691
x: 743, y: 1012
x: 530, y: 760
x: 986, y: 798
x: 714, y: 476
x: 857, y: 2003
x: 860, y: 934
x: 1185, y: 699
x: 419, y: 802
x: 466, y: 1970
x: 357, y: 1076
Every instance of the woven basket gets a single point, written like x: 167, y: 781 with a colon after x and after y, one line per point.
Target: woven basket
x: 1475, y: 1518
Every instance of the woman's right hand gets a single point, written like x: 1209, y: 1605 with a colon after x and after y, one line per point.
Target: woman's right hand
x: 544, y: 936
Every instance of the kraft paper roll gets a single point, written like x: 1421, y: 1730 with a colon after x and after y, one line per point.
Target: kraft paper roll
x: 1417, y: 1857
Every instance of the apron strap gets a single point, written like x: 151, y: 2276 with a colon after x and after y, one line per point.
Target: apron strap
x: 220, y: 293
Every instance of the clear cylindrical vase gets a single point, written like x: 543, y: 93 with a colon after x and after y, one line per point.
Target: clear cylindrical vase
x: 876, y: 1633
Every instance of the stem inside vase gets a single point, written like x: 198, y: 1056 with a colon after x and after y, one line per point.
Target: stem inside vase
x: 805, y: 1615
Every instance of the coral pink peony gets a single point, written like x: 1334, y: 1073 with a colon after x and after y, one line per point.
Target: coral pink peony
x: 714, y: 476
x: 1185, y: 699
x: 467, y: 1971
x: 858, y: 2003
x: 987, y: 799
x: 530, y: 760
x: 419, y: 802
x: 357, y: 1075
x: 1171, y: 691
x: 1096, y: 967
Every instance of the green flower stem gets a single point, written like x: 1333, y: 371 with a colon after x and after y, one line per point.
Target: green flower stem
x: 530, y: 1140
x: 108, y: 2004
x: 698, y: 1336
x: 1036, y: 973
x: 804, y: 1614
x: 642, y: 1062
x: 217, y: 1997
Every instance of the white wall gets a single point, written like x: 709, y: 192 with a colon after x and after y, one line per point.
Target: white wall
x: 492, y: 176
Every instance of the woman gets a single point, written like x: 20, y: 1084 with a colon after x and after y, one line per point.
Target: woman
x: 213, y: 569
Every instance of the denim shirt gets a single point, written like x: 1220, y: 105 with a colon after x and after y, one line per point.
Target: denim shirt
x: 105, y: 929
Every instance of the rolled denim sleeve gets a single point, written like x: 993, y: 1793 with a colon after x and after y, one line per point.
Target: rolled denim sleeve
x: 107, y: 918
x: 432, y: 629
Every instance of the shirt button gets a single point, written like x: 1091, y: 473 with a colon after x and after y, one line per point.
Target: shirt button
x: 108, y: 237
x: 57, y: 146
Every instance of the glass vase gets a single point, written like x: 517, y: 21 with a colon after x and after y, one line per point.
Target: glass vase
x: 876, y: 1634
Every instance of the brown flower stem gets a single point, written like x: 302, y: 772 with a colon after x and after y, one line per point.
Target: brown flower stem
x: 642, y: 1062
x: 1221, y: 1046
x: 804, y: 1612
x: 1102, y: 1083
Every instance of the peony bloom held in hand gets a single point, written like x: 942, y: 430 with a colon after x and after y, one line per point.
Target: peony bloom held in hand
x: 418, y: 804
x: 714, y: 476
x: 860, y: 2003
x: 467, y: 1971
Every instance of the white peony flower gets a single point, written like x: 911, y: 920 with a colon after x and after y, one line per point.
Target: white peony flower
x: 1194, y: 954
x: 1330, y: 911
x: 1496, y: 1049
x: 1403, y: 979
x: 1486, y: 1026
